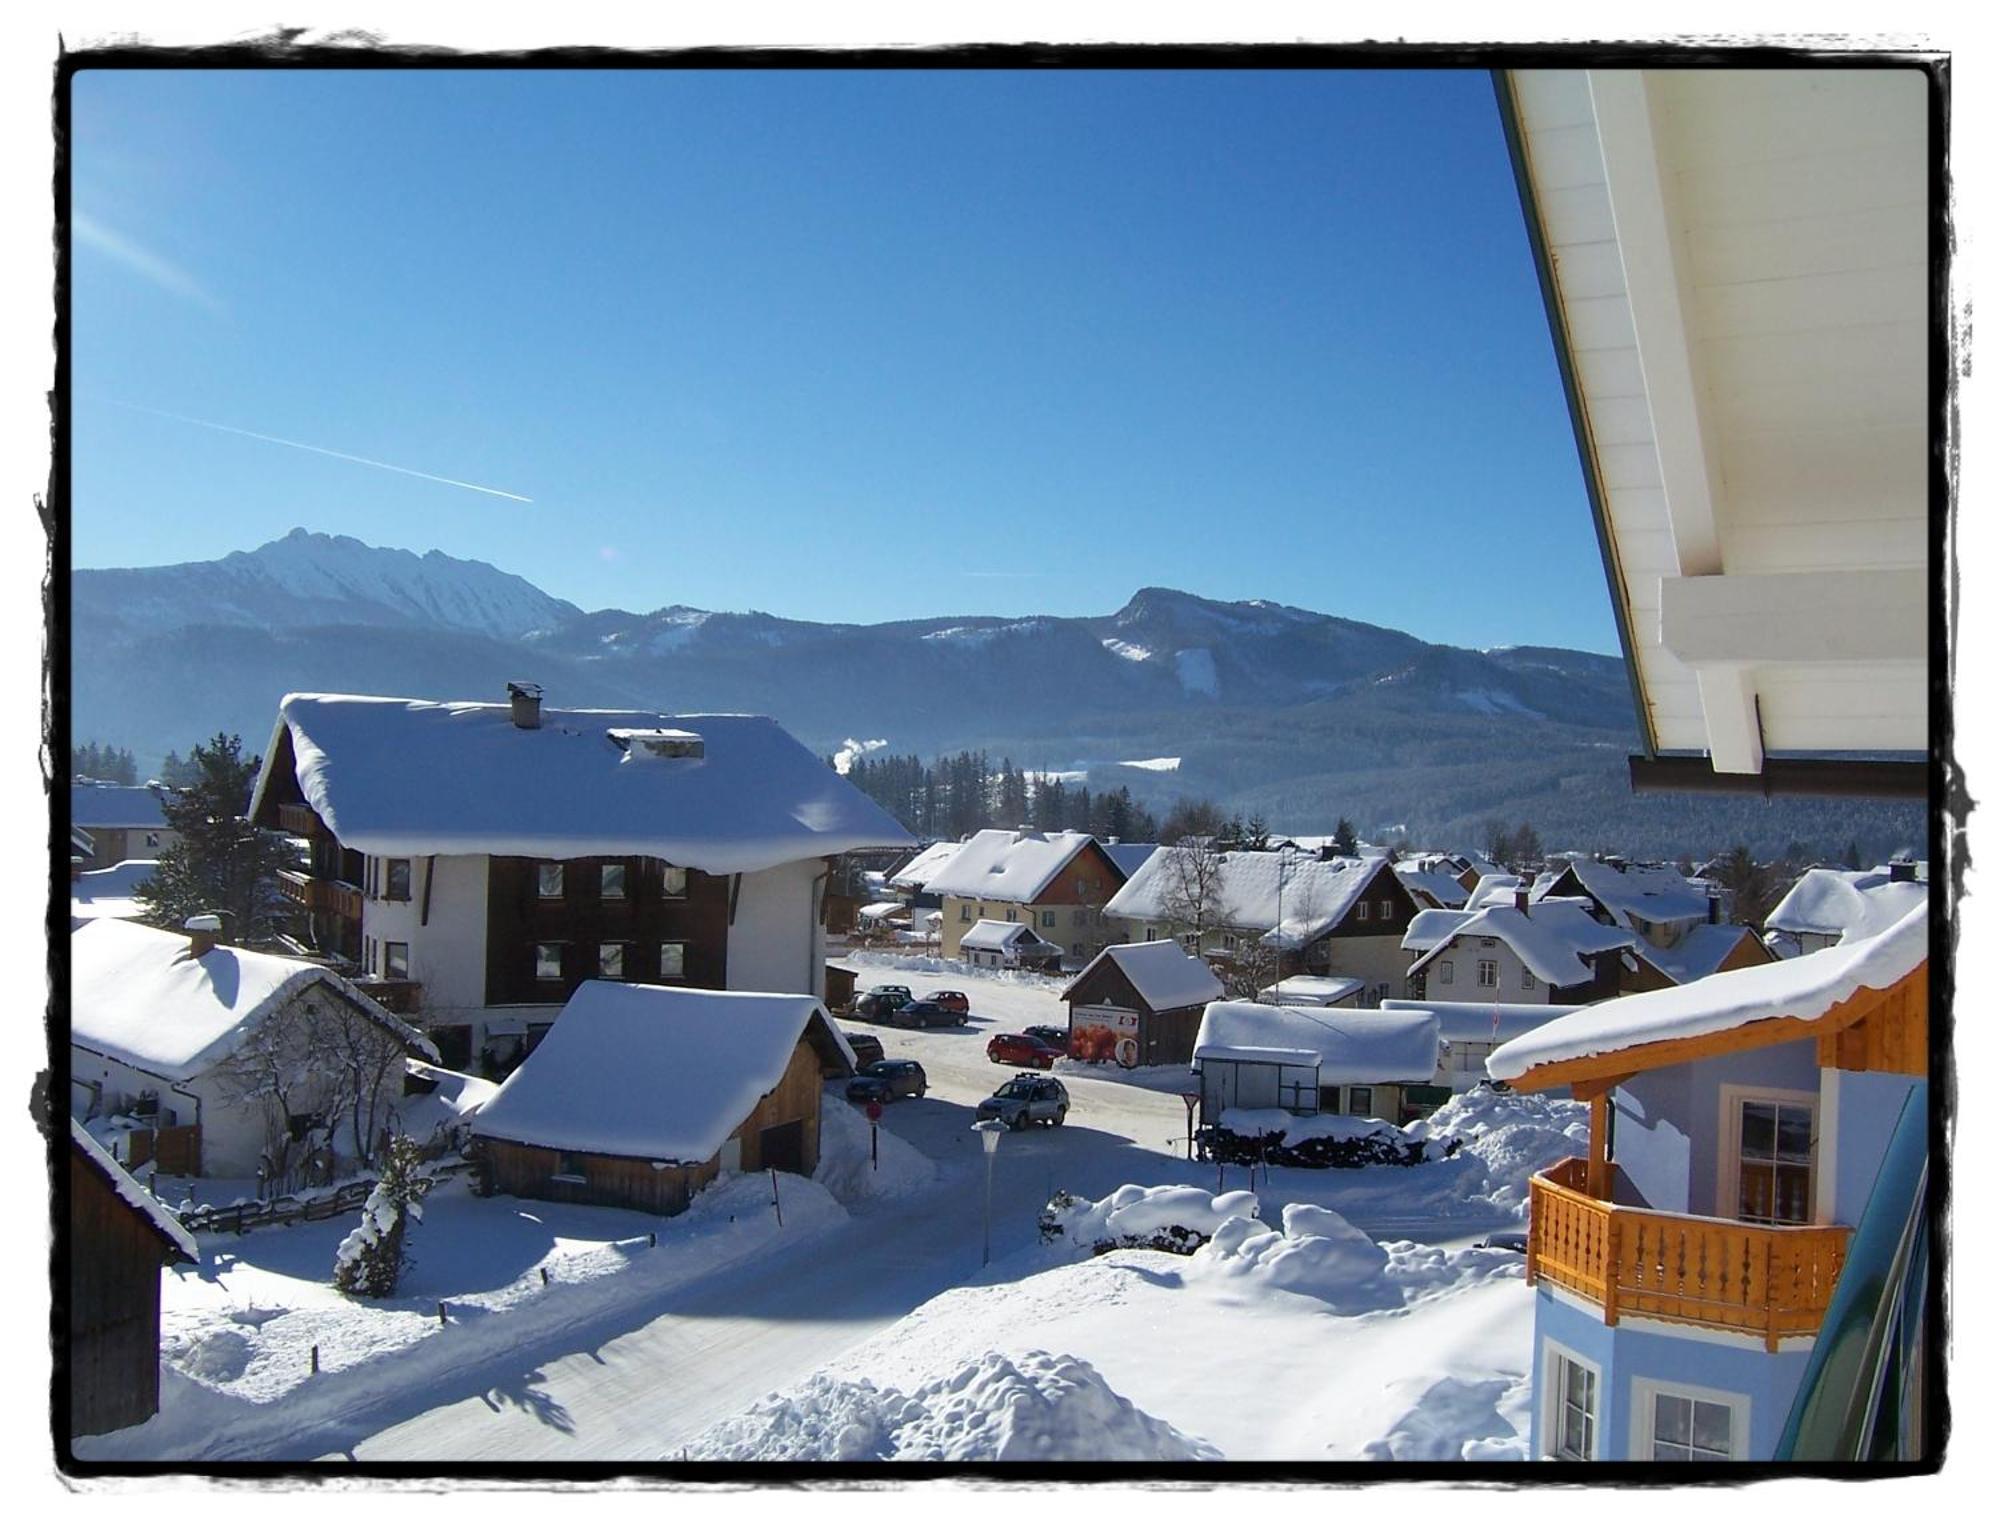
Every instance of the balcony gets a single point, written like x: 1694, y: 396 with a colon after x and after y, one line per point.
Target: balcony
x: 1772, y: 1280
x: 317, y: 894
x: 399, y: 995
x: 299, y: 818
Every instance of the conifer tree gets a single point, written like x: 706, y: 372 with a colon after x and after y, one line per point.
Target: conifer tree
x: 220, y: 863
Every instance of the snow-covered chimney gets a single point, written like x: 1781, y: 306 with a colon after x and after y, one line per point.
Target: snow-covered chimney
x: 1521, y: 896
x: 201, y: 929
x: 525, y: 697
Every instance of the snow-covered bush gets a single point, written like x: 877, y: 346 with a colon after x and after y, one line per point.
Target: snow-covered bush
x: 1317, y: 1252
x: 1249, y: 1135
x: 1177, y: 1219
x: 1034, y: 1407
x: 371, y: 1259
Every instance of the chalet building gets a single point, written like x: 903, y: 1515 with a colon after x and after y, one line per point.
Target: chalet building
x: 120, y: 1236
x: 1828, y: 907
x: 1430, y: 883
x: 1364, y: 1063
x: 1343, y: 917
x: 1744, y: 1139
x: 1473, y: 1031
x: 1139, y: 1005
x: 642, y: 1096
x: 1056, y: 884
x: 121, y: 822
x: 1656, y: 903
x: 183, y: 1042
x: 1703, y: 950
x: 1553, y: 951
x: 476, y: 863
x: 911, y: 881
x: 994, y: 942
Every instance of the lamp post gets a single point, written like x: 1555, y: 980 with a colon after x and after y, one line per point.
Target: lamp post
x: 990, y: 1131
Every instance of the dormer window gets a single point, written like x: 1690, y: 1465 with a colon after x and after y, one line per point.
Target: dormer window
x: 549, y: 879
x: 642, y: 744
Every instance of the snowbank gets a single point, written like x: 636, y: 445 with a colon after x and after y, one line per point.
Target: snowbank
x: 886, y: 960
x: 1509, y: 1136
x: 843, y: 1168
x: 1163, y: 1218
x: 1031, y: 1407
x: 1280, y: 1138
x: 1318, y: 1253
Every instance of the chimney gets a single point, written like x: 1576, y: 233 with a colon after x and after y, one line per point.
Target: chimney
x: 201, y: 929
x: 1521, y: 897
x: 1902, y: 870
x: 1715, y: 907
x: 526, y: 699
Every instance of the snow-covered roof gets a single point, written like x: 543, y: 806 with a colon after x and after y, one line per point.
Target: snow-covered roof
x: 1635, y: 895
x: 1162, y: 973
x: 1494, y: 886
x: 111, y: 892
x: 1441, y: 886
x: 137, y: 996
x: 1312, y: 991
x: 1129, y: 857
x: 1431, y: 927
x: 661, y: 1073
x: 1805, y: 988
x: 93, y: 806
x: 882, y: 910
x: 81, y: 845
x: 1246, y: 893
x: 1482, y: 1021
x: 916, y: 876
x: 1852, y: 904
x: 130, y: 1193
x: 992, y: 934
x: 1008, y: 865
x: 1551, y: 938
x: 394, y: 776
x: 1352, y: 1046
x: 1700, y: 952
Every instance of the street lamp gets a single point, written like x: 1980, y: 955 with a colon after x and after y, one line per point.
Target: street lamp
x: 990, y: 1131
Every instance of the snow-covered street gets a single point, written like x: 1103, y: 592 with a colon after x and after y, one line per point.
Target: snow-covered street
x: 639, y: 1372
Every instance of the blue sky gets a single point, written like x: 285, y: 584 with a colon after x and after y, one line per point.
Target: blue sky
x: 836, y: 345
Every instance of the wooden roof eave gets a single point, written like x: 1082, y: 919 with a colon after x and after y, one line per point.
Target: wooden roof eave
x: 1593, y: 1073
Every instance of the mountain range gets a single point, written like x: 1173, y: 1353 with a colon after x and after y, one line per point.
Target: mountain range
x: 1299, y: 715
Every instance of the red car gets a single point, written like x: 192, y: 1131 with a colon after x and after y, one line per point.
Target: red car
x: 951, y: 1002
x: 1021, y: 1050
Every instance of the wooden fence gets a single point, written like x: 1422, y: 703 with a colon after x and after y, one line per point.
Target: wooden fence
x: 235, y: 1218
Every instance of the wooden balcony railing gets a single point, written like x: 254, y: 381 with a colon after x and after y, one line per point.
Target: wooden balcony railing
x: 299, y: 818
x: 318, y: 894
x: 399, y: 995
x: 1773, y: 1280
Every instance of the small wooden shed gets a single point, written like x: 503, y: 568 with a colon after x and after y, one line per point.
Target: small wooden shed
x: 1139, y: 1005
x: 640, y: 1096
x: 119, y: 1238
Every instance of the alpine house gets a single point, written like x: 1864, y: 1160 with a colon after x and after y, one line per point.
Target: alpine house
x: 480, y: 861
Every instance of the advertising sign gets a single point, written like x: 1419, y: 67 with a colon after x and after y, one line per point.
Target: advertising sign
x: 1104, y: 1034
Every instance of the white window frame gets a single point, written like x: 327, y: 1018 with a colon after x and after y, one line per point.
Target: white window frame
x: 1444, y: 973
x: 1361, y: 911
x: 1730, y: 1098
x: 1527, y: 979
x: 1645, y: 1390
x: 1554, y: 1353
x: 1489, y: 973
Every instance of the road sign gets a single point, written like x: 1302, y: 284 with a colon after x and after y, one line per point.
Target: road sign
x: 874, y: 1112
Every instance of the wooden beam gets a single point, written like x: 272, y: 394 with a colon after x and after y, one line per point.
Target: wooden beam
x: 1784, y: 777
x: 1729, y: 714
x: 1598, y: 1177
x: 424, y: 912
x: 1819, y: 617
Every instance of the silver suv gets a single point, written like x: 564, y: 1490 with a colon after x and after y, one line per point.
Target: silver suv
x: 1026, y: 1100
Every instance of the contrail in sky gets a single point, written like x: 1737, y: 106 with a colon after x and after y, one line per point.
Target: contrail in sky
x: 313, y: 448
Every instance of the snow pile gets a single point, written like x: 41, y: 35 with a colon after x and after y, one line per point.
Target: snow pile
x: 1317, y: 1253
x: 844, y: 1170
x: 1031, y: 1407
x: 888, y: 960
x: 1177, y: 1219
x: 1510, y: 1135
x: 445, y: 1112
x: 1457, y: 1419
x: 112, y: 892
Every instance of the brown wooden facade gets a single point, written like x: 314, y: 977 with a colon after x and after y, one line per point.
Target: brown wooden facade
x: 115, y: 1256
x: 1166, y: 1035
x: 518, y: 918
x: 780, y: 1134
x: 1646, y: 977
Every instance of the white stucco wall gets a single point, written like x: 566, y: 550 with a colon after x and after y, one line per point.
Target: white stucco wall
x: 447, y: 953
x: 776, y: 943
x: 1465, y: 956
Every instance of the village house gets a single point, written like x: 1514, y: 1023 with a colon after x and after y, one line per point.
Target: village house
x: 994, y: 942
x: 1553, y: 951
x: 478, y: 862
x: 120, y: 1236
x: 1828, y: 907
x: 640, y: 1097
x: 911, y: 881
x: 1430, y: 883
x: 1314, y: 992
x: 121, y: 822
x: 207, y: 1060
x: 1343, y: 917
x: 1056, y: 884
x: 1365, y: 1063
x: 1739, y: 1126
x: 1473, y: 1031
x: 1139, y: 1005
x: 1656, y: 903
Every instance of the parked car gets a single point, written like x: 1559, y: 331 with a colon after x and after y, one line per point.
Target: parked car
x: 1025, y: 1100
x: 1051, y: 1034
x: 1021, y: 1050
x: 926, y: 1014
x: 866, y: 1048
x: 877, y: 1003
x: 881, y: 1081
x: 956, y: 1001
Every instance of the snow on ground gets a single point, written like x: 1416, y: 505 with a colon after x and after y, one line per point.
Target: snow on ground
x: 1309, y: 1342
x: 1158, y: 763
x: 1196, y: 669
x: 994, y: 1408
